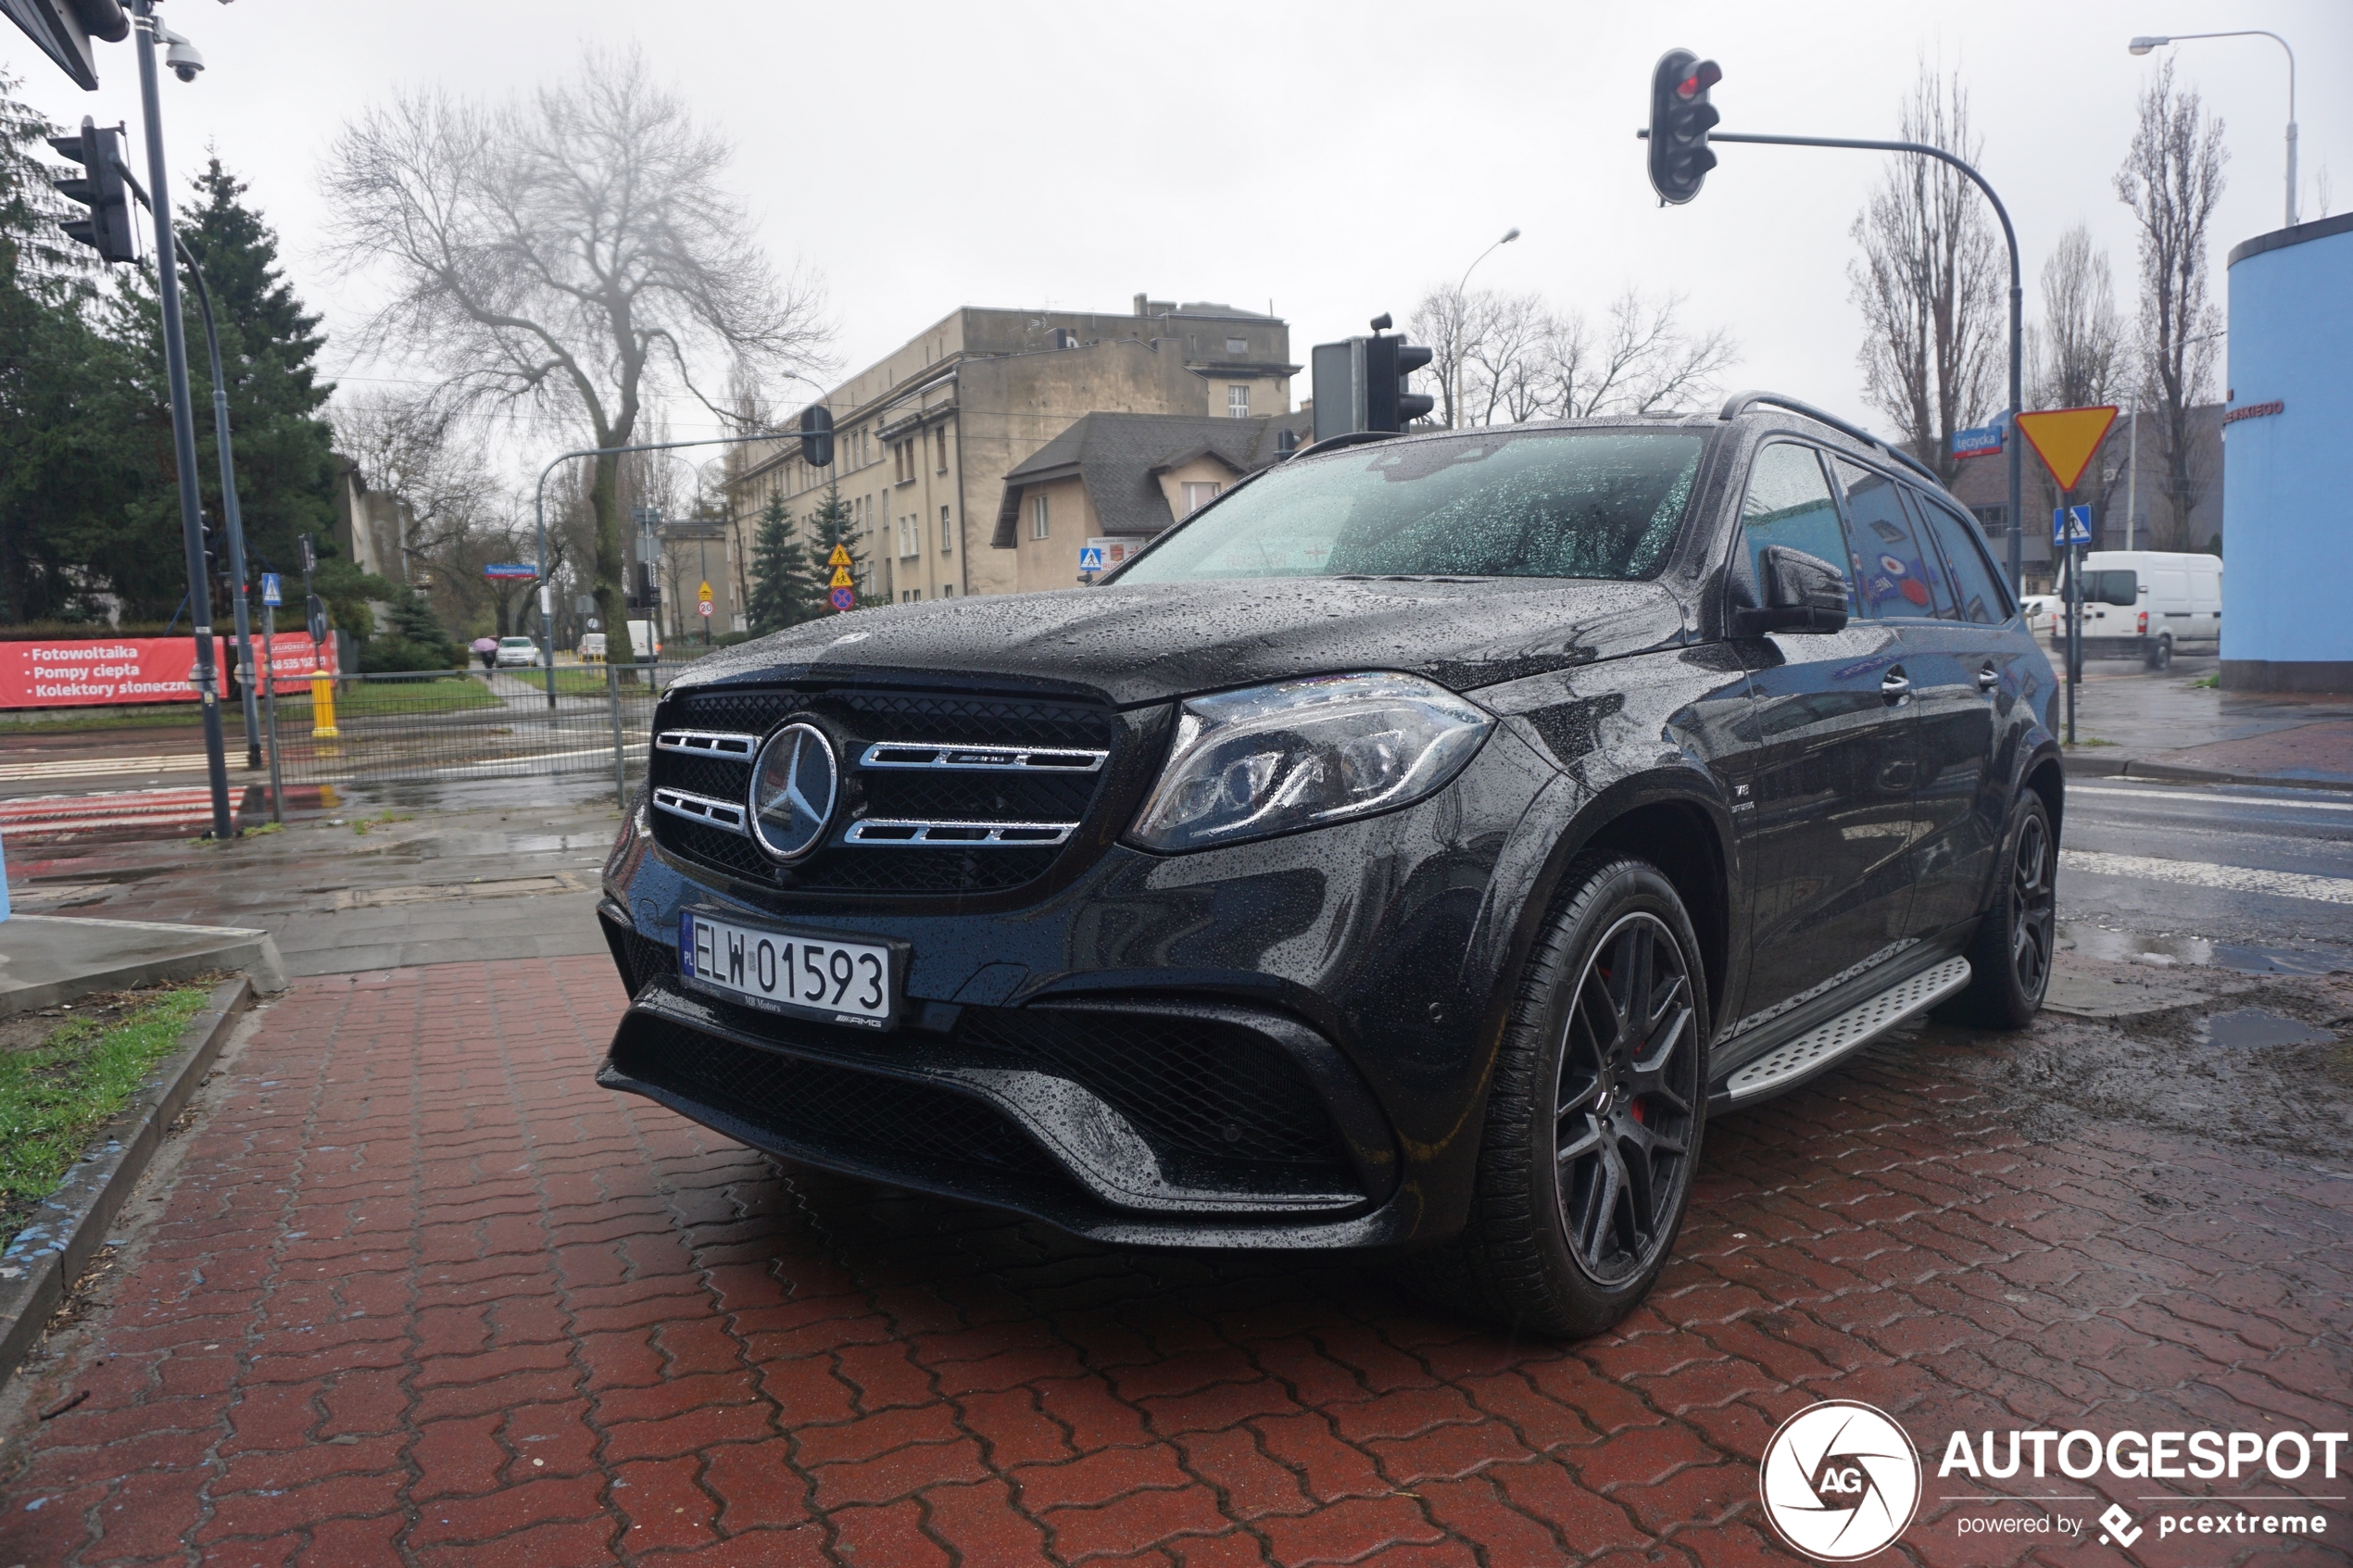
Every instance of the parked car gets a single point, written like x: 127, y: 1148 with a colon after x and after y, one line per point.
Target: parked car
x: 2041, y: 612
x: 513, y: 651
x: 592, y: 647
x: 1412, y: 848
x: 2148, y: 605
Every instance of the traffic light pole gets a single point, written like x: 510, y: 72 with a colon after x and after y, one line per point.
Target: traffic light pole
x: 183, y: 424
x: 2018, y: 367
x: 539, y: 513
x: 230, y: 510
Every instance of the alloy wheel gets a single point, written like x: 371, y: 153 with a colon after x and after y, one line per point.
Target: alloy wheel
x: 1625, y: 1106
x: 2034, y: 908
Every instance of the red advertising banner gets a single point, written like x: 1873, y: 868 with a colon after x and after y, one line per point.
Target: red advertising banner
x: 106, y: 671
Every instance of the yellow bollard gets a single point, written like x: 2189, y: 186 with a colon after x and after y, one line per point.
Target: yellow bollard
x: 323, y: 708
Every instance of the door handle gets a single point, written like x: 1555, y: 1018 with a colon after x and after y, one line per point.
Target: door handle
x: 1897, y: 686
x: 1988, y: 678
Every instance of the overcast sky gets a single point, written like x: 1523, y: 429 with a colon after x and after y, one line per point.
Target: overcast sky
x: 1330, y: 159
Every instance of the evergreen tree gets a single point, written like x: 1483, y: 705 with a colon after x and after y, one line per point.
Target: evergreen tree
x: 782, y: 592
x: 66, y: 472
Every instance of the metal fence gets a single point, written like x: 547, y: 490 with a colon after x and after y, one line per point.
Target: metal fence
x: 452, y: 726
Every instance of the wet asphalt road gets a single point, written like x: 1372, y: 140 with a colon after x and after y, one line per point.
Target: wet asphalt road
x: 2257, y: 868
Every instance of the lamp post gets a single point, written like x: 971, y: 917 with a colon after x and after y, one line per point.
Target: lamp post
x: 2143, y: 45
x: 1463, y: 302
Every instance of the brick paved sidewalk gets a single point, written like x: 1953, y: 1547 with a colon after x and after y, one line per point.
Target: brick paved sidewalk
x: 423, y: 1293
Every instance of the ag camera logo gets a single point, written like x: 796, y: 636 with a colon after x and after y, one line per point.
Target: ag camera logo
x: 1840, y: 1481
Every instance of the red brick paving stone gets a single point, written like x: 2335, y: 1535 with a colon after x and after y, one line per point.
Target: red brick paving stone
x: 820, y: 1369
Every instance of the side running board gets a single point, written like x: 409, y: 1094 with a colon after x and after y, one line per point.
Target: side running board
x: 1783, y: 1066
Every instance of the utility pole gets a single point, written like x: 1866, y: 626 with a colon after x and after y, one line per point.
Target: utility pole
x: 184, y: 425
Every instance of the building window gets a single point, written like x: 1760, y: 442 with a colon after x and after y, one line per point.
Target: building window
x: 940, y: 437
x: 1199, y: 495
x: 947, y: 535
x: 1238, y: 346
x: 1238, y: 401
x: 910, y: 536
x: 1039, y: 527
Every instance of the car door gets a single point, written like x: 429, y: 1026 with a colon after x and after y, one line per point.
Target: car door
x: 1823, y: 796
x: 1961, y: 660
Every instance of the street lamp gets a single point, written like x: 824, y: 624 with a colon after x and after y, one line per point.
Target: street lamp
x: 1509, y: 235
x: 2143, y: 45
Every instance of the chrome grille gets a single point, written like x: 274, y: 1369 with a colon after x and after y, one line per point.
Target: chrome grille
x: 977, y: 794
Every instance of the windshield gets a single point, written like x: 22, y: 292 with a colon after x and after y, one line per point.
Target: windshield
x: 1597, y: 503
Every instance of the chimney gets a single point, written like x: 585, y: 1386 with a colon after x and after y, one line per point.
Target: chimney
x: 1139, y: 305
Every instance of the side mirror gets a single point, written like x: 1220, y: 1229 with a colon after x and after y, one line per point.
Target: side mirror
x: 1801, y: 594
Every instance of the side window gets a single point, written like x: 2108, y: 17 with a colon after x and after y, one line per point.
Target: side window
x: 1894, y: 572
x: 1975, y: 583
x: 1789, y: 503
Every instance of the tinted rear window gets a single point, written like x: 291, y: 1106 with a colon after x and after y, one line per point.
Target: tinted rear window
x: 1492, y: 504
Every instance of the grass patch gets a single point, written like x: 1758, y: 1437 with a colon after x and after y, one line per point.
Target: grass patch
x: 369, y: 699
x: 2092, y: 740
x: 56, y: 1095
x: 2207, y: 682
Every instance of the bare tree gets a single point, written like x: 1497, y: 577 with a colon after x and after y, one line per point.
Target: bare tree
x: 571, y: 248
x: 1448, y: 322
x: 2077, y: 356
x: 1644, y: 360
x: 2171, y: 179
x: 1930, y: 282
x: 1520, y: 360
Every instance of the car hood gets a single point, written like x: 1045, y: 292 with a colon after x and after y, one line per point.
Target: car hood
x: 1151, y: 643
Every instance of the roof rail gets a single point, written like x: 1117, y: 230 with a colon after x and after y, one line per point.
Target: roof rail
x: 1346, y: 438
x: 1740, y: 401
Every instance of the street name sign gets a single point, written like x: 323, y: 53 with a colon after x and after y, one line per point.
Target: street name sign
x: 2065, y: 438
x: 1985, y: 441
x: 511, y: 570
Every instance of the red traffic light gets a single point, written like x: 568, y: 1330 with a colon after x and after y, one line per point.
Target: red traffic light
x: 1706, y: 74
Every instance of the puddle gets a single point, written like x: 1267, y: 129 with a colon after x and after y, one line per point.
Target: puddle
x: 2252, y: 1028
x: 2164, y: 952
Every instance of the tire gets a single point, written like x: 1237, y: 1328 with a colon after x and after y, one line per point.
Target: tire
x: 2160, y: 657
x: 2010, y: 957
x: 1593, y: 1115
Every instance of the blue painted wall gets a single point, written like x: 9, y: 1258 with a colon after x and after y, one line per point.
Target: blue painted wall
x: 2287, y: 477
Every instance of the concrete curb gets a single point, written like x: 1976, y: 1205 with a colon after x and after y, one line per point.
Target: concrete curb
x: 51, y: 1252
x: 2134, y: 768
x: 255, y: 952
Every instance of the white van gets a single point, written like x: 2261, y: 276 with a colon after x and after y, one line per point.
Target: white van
x: 2148, y: 605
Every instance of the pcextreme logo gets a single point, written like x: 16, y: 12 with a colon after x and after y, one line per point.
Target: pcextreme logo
x: 1840, y: 1481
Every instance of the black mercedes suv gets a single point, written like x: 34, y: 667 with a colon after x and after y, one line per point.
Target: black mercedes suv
x: 1410, y: 850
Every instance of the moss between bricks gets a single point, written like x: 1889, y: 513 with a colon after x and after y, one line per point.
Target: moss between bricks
x: 57, y: 1094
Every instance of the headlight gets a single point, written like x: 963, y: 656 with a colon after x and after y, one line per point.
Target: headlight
x: 1276, y: 759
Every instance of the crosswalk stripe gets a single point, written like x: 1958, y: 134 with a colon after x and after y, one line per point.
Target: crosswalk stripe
x: 95, y: 766
x: 2199, y: 873
x: 2167, y: 796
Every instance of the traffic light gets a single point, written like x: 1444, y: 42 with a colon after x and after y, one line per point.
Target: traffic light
x: 64, y: 27
x: 1360, y: 383
x: 112, y: 229
x: 1681, y: 119
x: 1390, y: 363
x: 817, y: 436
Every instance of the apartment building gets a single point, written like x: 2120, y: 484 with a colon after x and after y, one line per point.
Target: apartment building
x: 926, y: 436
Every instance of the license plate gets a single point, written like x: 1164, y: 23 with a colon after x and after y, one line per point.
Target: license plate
x: 788, y: 971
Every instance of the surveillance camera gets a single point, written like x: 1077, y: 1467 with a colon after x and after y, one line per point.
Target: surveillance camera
x: 183, y: 60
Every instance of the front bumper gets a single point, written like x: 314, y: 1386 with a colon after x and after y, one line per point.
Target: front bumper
x: 1283, y: 1044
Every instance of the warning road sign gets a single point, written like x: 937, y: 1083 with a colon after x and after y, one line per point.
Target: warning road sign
x: 703, y: 593
x: 2065, y: 438
x: 843, y: 599
x: 841, y: 578
x: 840, y: 555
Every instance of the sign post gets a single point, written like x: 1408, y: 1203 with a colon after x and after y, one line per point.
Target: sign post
x: 842, y: 594
x: 2065, y: 439
x: 271, y: 598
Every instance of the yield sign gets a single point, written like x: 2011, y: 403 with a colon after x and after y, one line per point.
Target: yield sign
x: 2065, y: 438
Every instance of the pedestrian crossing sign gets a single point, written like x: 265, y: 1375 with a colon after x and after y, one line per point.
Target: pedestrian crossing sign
x: 270, y: 593
x: 2070, y: 525
x: 1090, y: 557
x: 839, y: 557
x: 841, y: 578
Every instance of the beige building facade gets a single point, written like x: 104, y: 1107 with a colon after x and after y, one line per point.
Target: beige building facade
x: 924, y: 437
